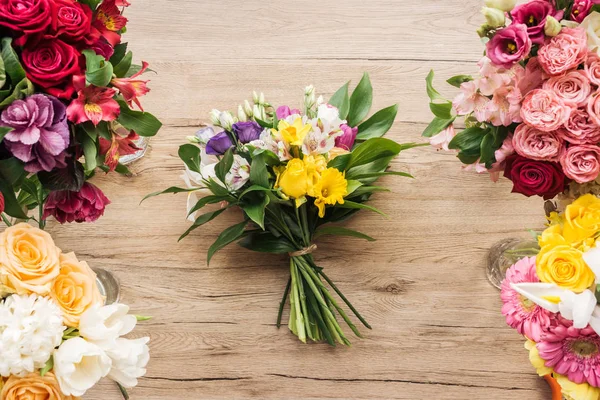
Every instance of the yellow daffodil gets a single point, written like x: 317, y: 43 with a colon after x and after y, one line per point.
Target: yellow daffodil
x: 575, y: 391
x: 330, y: 189
x: 582, y: 220
x: 315, y: 165
x: 293, y: 179
x: 293, y: 134
x: 565, y: 267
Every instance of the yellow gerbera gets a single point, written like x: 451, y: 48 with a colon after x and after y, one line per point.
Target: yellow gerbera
x: 293, y: 134
x: 330, y: 189
x: 534, y: 358
x: 575, y: 391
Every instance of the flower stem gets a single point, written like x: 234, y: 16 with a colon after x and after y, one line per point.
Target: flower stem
x: 283, y: 300
x: 299, y: 323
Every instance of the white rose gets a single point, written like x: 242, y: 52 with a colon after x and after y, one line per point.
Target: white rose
x: 591, y: 24
x: 79, y: 365
x: 129, y: 360
x: 103, y: 325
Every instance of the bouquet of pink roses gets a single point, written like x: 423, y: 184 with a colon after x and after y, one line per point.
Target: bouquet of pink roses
x: 533, y: 112
x: 67, y: 92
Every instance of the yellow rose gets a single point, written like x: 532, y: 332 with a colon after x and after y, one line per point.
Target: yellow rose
x: 582, y: 219
x: 315, y: 165
x: 293, y: 179
x: 564, y: 266
x: 28, y: 259
x: 552, y: 236
x: 33, y: 387
x: 75, y: 289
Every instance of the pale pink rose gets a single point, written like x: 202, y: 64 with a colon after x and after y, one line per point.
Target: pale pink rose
x: 532, y: 78
x: 564, y: 52
x: 580, y: 128
x: 593, y: 107
x: 592, y: 68
x: 573, y: 88
x: 544, y: 110
x: 470, y: 100
x: 537, y: 145
x: 443, y: 139
x: 581, y: 163
x: 505, y: 107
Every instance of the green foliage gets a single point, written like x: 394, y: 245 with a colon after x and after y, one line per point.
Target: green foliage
x: 123, y: 66
x: 378, y: 124
x: 458, y: 80
x: 12, y: 65
x: 440, y: 107
x: 341, y: 100
x: 224, y: 165
x: 190, y: 155
x: 226, y: 237
x: 339, y: 231
x: 98, y: 71
x: 143, y: 123
x: 266, y: 242
x: 360, y: 101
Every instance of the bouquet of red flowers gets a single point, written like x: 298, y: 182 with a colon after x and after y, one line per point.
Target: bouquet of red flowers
x: 68, y: 93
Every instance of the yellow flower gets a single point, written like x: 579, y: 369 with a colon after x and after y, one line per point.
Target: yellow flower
x: 330, y: 189
x: 582, y: 219
x: 574, y: 391
x: 33, y: 386
x: 337, y: 151
x: 552, y: 236
x: 293, y: 178
x: 315, y: 165
x: 534, y: 358
x: 564, y: 266
x: 295, y: 133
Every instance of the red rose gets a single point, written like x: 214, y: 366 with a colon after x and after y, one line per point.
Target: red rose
x: 52, y: 65
x: 535, y: 178
x: 25, y: 17
x: 71, y: 21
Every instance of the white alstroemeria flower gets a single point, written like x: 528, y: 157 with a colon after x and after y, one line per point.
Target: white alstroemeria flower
x: 239, y: 173
x: 329, y: 116
x: 103, y: 325
x: 129, y: 360
x: 274, y: 143
x: 319, y: 142
x: 79, y: 365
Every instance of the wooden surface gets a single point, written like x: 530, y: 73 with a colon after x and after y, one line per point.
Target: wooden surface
x: 437, y: 328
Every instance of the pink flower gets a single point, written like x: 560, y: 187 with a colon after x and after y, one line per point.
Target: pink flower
x: 537, y: 145
x: 470, y: 100
x: 443, y: 139
x: 564, y: 52
x: 347, y: 139
x: 533, y: 77
x: 592, y: 68
x: 573, y: 88
x: 572, y: 352
x: 132, y: 88
x: 94, y: 104
x: 581, y: 9
x: 493, y: 78
x: 544, y: 110
x: 121, y: 144
x: 581, y: 163
x: 87, y: 205
x: 580, y: 128
x: 509, y: 45
x: 505, y: 107
x: 525, y: 316
x: 533, y: 14
x: 505, y: 151
x: 284, y: 112
x: 593, y: 107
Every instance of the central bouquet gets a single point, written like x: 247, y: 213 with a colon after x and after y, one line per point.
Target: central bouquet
x: 293, y: 173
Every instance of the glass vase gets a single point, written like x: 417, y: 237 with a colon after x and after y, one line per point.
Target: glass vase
x: 142, y: 143
x: 109, y: 285
x: 506, y: 253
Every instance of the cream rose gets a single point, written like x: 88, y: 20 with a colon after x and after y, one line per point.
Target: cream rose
x: 33, y: 386
x: 75, y: 289
x: 591, y: 24
x: 29, y: 259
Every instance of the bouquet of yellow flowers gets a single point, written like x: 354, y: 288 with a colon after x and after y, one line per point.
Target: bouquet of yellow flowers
x: 293, y: 173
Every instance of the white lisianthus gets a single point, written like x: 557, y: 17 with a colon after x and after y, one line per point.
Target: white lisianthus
x: 31, y: 327
x: 504, y: 5
x: 129, y: 360
x: 239, y: 173
x: 79, y: 365
x: 103, y: 325
x: 591, y: 24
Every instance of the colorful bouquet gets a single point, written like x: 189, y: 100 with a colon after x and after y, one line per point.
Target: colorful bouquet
x: 533, y: 112
x: 293, y: 173
x: 57, y: 338
x: 67, y: 91
x: 552, y: 300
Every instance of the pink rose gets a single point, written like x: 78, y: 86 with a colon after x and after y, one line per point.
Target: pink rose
x: 573, y: 88
x: 533, y: 14
x: 564, y: 52
x: 533, y: 77
x: 592, y: 68
x: 581, y: 163
x: 593, y: 107
x: 544, y: 110
x: 509, y: 45
x: 537, y: 145
x: 580, y: 128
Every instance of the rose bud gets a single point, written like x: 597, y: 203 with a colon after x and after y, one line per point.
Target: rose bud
x: 552, y: 27
x: 494, y: 17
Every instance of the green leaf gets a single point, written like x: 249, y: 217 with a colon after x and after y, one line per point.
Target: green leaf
x: 48, y: 367
x: 122, y: 169
x: 431, y: 92
x: 266, y: 242
x: 190, y: 155
x: 379, y: 174
x: 264, y: 124
x: 201, y: 220
x: 341, y: 100
x: 2, y: 73
x: 487, y: 150
x: 216, y: 188
x: 134, y: 69
x: 172, y: 189
x: 254, y: 188
x: 207, y: 200
x: 11, y: 205
x: 458, y: 80
x: 258, y: 172
x: 98, y: 71
x: 340, y: 162
x: 95, y: 131
x: 436, y: 126
x: 4, y: 130
x: 360, y: 101
x: 441, y: 110
x: 378, y: 124
x: 369, y: 190
x: 90, y: 151
x: 143, y: 123
x: 227, y: 237
x: 256, y: 210
x: 141, y: 318
x: 339, y: 231
x: 121, y: 69
x: 21, y: 90
x: 12, y: 65
x: 118, y: 54
x: 93, y: 4
x: 12, y: 171
x: 353, y: 205
x: 224, y: 165
x: 353, y: 185
x: 373, y: 149
x: 468, y: 139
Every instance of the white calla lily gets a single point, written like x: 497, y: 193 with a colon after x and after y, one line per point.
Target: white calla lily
x: 578, y: 307
x: 592, y: 259
x: 545, y: 295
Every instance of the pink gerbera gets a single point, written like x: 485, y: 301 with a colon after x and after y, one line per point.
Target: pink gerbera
x: 525, y: 316
x: 572, y: 352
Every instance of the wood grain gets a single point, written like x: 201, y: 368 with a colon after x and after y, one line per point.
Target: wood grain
x: 437, y: 328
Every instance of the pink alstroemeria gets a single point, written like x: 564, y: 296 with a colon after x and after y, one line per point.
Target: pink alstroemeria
x: 505, y: 107
x: 132, y: 88
x: 94, y: 104
x: 470, y: 100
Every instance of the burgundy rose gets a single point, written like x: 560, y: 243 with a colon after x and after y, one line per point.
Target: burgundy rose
x: 71, y: 21
x: 535, y: 178
x: 534, y: 14
x: 87, y: 205
x: 25, y: 17
x: 52, y: 65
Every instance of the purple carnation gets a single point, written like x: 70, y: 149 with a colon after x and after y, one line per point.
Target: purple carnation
x: 40, y: 132
x: 219, y: 144
x: 247, y: 131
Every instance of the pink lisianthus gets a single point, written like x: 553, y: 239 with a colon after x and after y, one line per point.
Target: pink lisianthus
x: 564, y: 52
x: 131, y: 88
x: 94, y: 104
x: 442, y: 140
x: 544, y: 110
x: 505, y: 107
x: 509, y: 45
x: 532, y: 78
x: 470, y: 100
x: 525, y: 316
x: 87, y: 205
x: 581, y: 9
x: 572, y: 352
x: 573, y: 88
x: 580, y: 128
x: 537, y: 145
x: 347, y: 139
x: 581, y: 163
x: 533, y: 14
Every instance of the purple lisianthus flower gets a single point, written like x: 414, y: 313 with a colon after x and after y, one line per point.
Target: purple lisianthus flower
x: 247, y: 131
x: 346, y: 141
x: 219, y: 144
x: 40, y: 132
x: 509, y: 45
x: 284, y: 112
x: 533, y: 14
